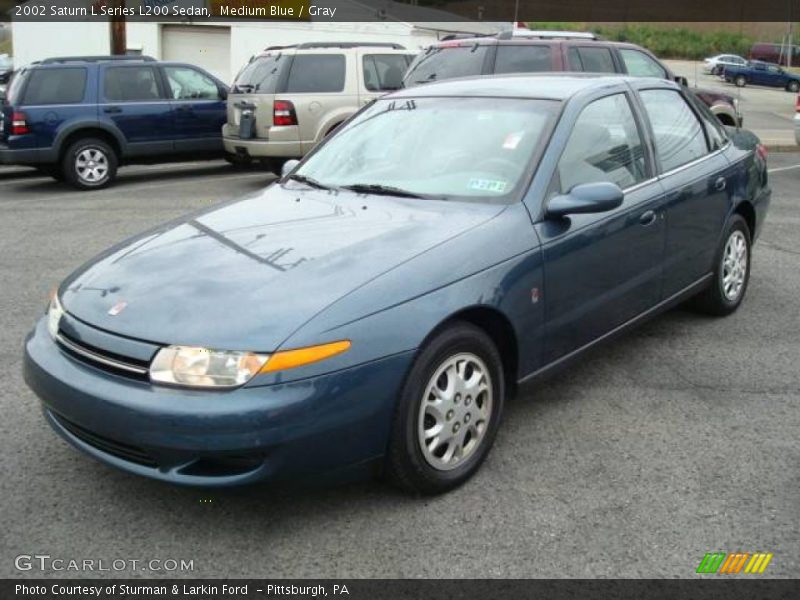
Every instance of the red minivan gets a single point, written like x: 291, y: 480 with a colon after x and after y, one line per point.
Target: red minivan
x: 775, y: 53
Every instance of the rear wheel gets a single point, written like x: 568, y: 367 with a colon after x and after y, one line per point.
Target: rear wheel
x: 448, y: 412
x: 90, y: 164
x: 273, y: 164
x: 793, y: 86
x: 732, y: 272
x: 740, y: 81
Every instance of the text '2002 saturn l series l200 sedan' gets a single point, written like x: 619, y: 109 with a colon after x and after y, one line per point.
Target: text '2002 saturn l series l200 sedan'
x: 378, y: 303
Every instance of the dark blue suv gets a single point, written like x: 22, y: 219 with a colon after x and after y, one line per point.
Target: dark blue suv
x: 79, y: 118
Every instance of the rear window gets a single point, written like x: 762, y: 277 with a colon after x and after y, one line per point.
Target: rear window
x: 15, y: 86
x: 55, y: 86
x: 523, y: 59
x: 384, y: 72
x: 260, y: 75
x: 316, y: 73
x: 446, y: 62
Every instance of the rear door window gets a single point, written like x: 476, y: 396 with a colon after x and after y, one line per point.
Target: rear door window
x: 523, y: 59
x: 678, y: 134
x: 56, y: 86
x: 384, y: 72
x: 131, y: 84
x: 591, y: 59
x: 317, y: 74
x: 446, y: 62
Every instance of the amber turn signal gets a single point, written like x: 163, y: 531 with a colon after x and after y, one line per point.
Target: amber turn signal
x: 289, y: 359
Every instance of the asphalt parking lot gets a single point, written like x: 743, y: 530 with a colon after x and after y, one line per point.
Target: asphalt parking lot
x: 677, y: 440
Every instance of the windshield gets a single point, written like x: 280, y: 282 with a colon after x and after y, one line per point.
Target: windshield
x: 434, y: 147
x: 446, y: 62
x: 259, y: 76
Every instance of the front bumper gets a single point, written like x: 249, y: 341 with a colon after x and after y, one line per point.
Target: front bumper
x: 208, y: 438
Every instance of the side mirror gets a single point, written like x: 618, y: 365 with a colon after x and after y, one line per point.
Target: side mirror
x: 682, y: 81
x: 223, y: 93
x: 586, y: 198
x: 289, y: 166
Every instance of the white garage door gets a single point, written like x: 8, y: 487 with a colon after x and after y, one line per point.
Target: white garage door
x: 205, y: 46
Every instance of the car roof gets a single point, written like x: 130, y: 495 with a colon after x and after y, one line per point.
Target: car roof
x: 548, y: 86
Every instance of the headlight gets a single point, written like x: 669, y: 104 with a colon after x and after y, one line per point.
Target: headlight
x: 200, y: 367
x: 54, y: 314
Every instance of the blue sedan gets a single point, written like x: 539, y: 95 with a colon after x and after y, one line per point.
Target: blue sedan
x: 374, y: 308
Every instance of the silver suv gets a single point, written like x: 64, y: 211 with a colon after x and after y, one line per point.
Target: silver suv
x: 287, y: 99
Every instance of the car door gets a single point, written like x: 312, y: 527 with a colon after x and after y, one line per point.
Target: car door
x: 602, y: 269
x: 695, y: 176
x: 380, y: 73
x: 133, y: 99
x: 759, y: 74
x: 198, y: 108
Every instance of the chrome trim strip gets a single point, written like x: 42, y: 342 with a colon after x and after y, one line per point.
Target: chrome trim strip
x: 93, y: 356
x: 696, y: 161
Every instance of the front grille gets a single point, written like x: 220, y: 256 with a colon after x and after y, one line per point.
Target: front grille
x: 118, y: 449
x: 102, y: 359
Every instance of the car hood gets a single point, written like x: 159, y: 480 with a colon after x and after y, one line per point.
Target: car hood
x: 248, y: 274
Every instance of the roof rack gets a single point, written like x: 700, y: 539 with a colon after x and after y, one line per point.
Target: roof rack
x: 120, y: 57
x: 546, y: 35
x: 308, y: 45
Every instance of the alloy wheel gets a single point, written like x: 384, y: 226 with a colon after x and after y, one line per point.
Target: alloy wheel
x: 734, y: 266
x: 91, y: 165
x: 456, y: 411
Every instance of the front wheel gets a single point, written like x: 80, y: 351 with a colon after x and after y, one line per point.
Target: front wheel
x: 793, y: 86
x: 731, y: 274
x: 90, y: 164
x: 740, y: 81
x: 448, y: 411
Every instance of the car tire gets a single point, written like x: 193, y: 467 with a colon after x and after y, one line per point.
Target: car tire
x: 731, y: 272
x: 793, y: 86
x: 459, y: 352
x: 275, y: 165
x: 89, y: 164
x: 740, y: 81
x: 237, y: 161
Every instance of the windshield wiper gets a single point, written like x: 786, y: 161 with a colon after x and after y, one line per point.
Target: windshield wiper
x: 309, y: 181
x: 385, y: 190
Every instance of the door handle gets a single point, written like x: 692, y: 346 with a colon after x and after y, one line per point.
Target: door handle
x: 112, y: 109
x: 720, y: 183
x: 648, y: 218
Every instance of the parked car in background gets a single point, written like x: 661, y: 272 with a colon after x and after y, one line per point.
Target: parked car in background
x: 775, y: 53
x: 374, y: 309
x: 6, y: 68
x: 287, y: 99
x: 761, y: 73
x: 797, y: 120
x: 79, y: 118
x: 715, y: 65
x: 527, y: 52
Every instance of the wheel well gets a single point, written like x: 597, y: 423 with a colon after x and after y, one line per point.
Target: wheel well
x: 88, y: 132
x: 499, y: 329
x: 726, y: 119
x: 332, y: 128
x: 748, y: 213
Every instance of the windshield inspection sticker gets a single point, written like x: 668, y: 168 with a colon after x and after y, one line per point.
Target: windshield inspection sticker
x: 487, y: 185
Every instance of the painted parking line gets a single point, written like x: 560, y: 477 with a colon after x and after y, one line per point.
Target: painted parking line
x: 779, y: 169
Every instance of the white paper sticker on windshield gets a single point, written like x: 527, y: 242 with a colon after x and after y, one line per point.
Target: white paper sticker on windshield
x: 512, y: 140
x: 487, y: 185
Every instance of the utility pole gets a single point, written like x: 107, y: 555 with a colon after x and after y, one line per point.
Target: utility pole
x: 117, y: 31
